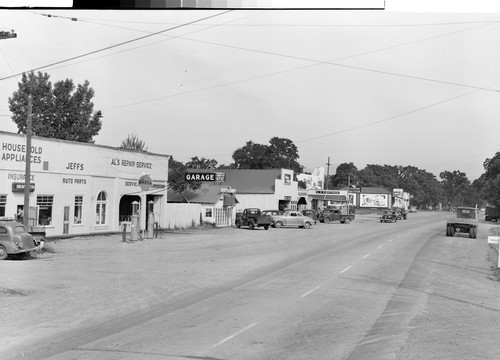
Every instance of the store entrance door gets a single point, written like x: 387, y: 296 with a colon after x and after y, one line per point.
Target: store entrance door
x: 66, y: 220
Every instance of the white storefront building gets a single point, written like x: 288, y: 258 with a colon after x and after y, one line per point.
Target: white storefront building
x: 80, y: 188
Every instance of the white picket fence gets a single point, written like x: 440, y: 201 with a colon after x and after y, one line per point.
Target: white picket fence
x: 181, y: 216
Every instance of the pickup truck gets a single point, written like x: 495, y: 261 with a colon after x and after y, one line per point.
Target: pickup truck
x: 330, y: 215
x: 465, y: 222
x: 252, y: 218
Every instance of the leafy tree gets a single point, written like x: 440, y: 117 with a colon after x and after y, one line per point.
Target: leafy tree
x: 176, y: 179
x: 342, y: 174
x: 202, y: 163
x: 132, y: 142
x: 490, y: 180
x: 61, y: 112
x: 456, y: 185
x: 280, y: 153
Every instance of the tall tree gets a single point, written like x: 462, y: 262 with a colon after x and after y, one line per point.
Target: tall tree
x: 490, y: 180
x: 455, y: 185
x: 61, y: 112
x: 132, y: 142
x: 343, y: 173
x: 197, y: 163
x: 176, y: 177
x: 280, y: 153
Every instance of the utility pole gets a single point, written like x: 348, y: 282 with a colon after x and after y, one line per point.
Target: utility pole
x: 27, y: 174
x: 7, y: 35
x: 327, y: 174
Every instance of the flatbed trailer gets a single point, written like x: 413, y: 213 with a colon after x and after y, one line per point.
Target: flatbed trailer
x: 465, y: 223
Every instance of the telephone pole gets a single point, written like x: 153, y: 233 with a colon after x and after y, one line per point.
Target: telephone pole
x: 27, y: 174
x: 326, y: 186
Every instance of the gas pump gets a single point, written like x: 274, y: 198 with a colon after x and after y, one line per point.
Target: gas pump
x: 134, y: 229
x: 151, y: 219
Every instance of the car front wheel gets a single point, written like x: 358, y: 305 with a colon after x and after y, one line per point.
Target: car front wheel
x: 3, y: 253
x: 278, y: 224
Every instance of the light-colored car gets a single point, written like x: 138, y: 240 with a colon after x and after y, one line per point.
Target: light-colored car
x: 15, y: 240
x: 292, y: 218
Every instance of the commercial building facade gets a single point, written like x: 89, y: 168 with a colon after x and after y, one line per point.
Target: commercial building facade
x: 81, y: 188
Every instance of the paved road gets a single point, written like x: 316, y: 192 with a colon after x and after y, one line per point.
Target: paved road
x: 331, y: 292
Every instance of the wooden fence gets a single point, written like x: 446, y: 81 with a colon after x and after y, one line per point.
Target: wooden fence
x: 181, y: 216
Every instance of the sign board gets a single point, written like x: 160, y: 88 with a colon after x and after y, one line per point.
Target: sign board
x: 145, y: 182
x: 19, y: 187
x: 493, y: 239
x: 205, y: 176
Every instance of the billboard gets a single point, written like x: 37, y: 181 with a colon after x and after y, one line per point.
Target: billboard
x: 373, y: 200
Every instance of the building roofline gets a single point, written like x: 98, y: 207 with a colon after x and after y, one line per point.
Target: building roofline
x: 85, y: 144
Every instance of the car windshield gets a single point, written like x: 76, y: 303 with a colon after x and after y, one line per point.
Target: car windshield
x: 20, y: 229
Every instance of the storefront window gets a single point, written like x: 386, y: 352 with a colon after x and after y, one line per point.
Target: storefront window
x: 78, y: 209
x: 101, y: 209
x: 44, y: 203
x: 3, y: 202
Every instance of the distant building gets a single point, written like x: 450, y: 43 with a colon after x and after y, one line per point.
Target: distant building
x: 265, y: 189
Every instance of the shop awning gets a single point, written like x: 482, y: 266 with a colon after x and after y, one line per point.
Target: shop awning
x: 339, y: 198
x: 302, y: 201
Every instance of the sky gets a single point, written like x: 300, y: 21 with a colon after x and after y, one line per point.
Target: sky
x: 414, y: 84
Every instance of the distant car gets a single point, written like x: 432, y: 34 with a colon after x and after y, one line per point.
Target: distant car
x: 388, y: 216
x: 399, y: 214
x: 293, y: 218
x: 15, y: 239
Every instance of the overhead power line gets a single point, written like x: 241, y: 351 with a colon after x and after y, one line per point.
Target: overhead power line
x: 117, y: 45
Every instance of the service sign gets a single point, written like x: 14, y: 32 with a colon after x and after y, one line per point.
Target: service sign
x: 205, y: 176
x: 19, y: 187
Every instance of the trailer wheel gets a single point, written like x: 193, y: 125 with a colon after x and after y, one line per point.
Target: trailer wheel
x: 347, y: 221
x: 448, y: 230
x: 472, y: 232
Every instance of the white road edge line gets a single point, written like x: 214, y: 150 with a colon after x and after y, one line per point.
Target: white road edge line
x: 381, y: 246
x: 347, y: 268
x: 235, y: 334
x: 389, y: 240
x: 310, y: 291
x: 364, y: 257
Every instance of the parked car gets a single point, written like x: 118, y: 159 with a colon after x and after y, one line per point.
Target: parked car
x: 252, y: 217
x: 271, y: 213
x: 293, y: 218
x: 388, y: 216
x: 15, y: 239
x: 313, y: 214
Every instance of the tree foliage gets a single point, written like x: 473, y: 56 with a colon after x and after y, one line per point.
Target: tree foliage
x: 455, y: 185
x: 280, y: 153
x: 176, y: 178
x: 489, y: 182
x: 132, y: 142
x: 345, y: 173
x: 62, y: 111
x: 197, y: 163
